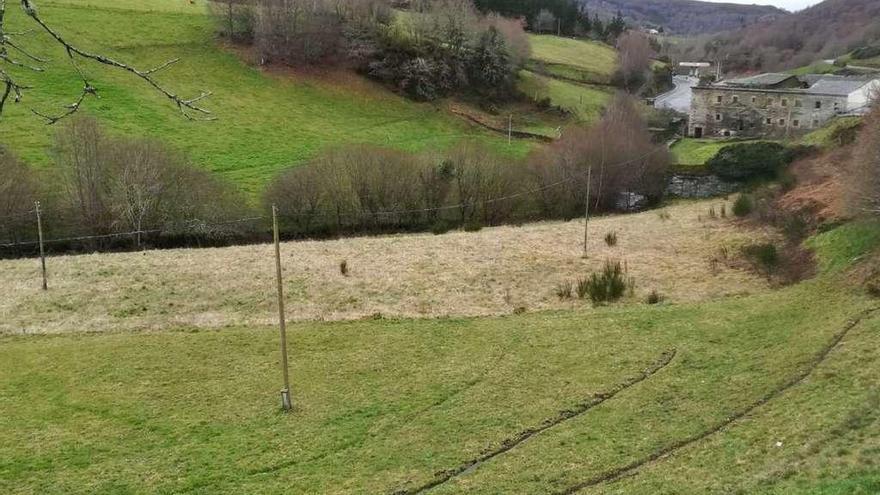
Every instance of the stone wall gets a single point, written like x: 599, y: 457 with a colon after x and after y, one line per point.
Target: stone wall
x: 723, y: 112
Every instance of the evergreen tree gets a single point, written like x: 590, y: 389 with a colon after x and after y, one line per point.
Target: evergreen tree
x: 616, y: 27
x: 598, y: 27
x: 490, y: 67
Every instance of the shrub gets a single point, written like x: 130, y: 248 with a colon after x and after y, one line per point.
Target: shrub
x: 746, y: 161
x: 583, y: 288
x: 607, y: 286
x: 654, y: 297
x: 564, y: 290
x: 866, y: 52
x: 723, y: 211
x: 611, y: 239
x: 764, y: 256
x: 795, y: 227
x: 441, y: 227
x: 743, y: 205
x: 473, y: 226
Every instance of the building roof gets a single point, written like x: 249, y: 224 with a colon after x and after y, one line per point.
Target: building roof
x: 760, y: 80
x: 838, y: 86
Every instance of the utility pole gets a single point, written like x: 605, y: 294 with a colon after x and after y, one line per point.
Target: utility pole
x: 40, y: 237
x: 285, y: 392
x: 509, y: 129
x: 587, y: 209
x: 558, y: 27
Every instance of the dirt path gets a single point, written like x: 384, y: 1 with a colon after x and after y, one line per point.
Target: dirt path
x: 632, y: 468
x: 563, y: 416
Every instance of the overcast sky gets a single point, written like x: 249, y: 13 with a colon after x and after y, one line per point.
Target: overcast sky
x: 784, y: 4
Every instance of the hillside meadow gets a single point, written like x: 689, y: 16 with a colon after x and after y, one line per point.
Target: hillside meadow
x: 770, y: 393
x: 491, y: 272
x: 266, y: 120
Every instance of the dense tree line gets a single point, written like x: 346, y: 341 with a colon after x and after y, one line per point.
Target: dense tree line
x: 437, y: 48
x: 825, y: 31
x: 101, y: 184
x: 134, y: 192
x: 863, y: 180
x: 369, y: 189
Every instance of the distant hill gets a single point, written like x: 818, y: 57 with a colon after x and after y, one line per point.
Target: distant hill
x: 825, y: 31
x: 686, y: 16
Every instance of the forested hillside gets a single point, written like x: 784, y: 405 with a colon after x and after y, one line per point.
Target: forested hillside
x: 827, y: 30
x: 685, y: 16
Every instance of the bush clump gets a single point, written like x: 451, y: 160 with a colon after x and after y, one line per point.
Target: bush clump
x: 764, y: 256
x: 747, y: 161
x: 743, y: 205
x: 564, y: 290
x: 611, y: 239
x: 607, y: 286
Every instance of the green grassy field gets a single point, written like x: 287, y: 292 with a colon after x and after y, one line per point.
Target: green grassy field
x: 383, y: 405
x: 580, y: 60
x: 696, y: 152
x: 264, y: 123
x: 820, y: 67
x: 826, y: 137
x: 583, y: 101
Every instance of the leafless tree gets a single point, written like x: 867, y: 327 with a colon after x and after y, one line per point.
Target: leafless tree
x: 80, y: 153
x: 620, y: 152
x: 117, y: 184
x: 235, y: 18
x: 15, y: 57
x: 139, y: 182
x: 18, y: 191
x: 545, y: 21
x: 635, y: 57
x: 863, y: 191
x: 515, y: 38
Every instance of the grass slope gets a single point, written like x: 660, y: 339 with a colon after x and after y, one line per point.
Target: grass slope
x: 265, y: 122
x: 490, y: 272
x: 580, y: 60
x: 585, y: 102
x: 382, y: 405
x: 696, y: 152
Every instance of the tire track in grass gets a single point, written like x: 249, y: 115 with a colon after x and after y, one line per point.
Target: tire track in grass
x: 658, y: 455
x: 512, y: 442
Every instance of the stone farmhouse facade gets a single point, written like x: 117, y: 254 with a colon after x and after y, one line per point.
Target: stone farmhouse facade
x: 776, y: 105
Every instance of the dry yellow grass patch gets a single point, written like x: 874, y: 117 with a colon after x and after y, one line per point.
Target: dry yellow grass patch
x: 484, y: 273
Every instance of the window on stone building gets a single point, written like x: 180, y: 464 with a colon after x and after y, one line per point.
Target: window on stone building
x: 836, y: 105
x: 798, y: 103
x: 717, y: 117
x: 754, y: 99
x: 769, y: 121
x: 818, y: 104
x: 784, y: 102
x: 719, y: 99
x: 782, y: 122
x: 735, y: 99
x: 796, y: 123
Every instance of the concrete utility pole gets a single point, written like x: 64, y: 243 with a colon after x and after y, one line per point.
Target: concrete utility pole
x: 587, y: 210
x: 509, y: 129
x: 285, y: 392
x: 40, y: 237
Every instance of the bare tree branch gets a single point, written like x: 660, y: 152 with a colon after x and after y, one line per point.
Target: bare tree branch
x: 188, y: 107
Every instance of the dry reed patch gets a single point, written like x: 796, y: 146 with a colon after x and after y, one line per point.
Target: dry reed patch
x: 489, y: 272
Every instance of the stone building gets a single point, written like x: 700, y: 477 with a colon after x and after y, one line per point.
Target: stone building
x: 776, y: 105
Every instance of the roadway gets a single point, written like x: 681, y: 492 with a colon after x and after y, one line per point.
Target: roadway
x: 679, y: 98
